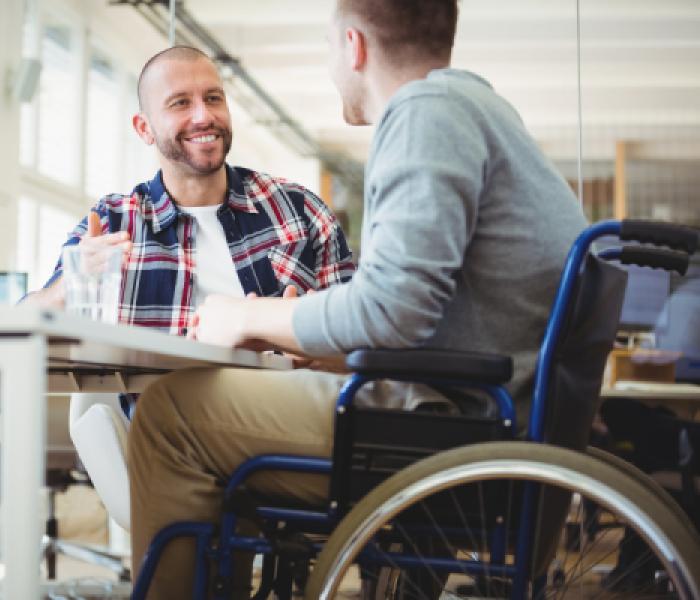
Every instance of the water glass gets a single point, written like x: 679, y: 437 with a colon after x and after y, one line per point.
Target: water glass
x: 92, y: 282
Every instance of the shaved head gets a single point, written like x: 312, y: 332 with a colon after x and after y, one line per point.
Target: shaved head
x: 184, y: 112
x: 185, y: 53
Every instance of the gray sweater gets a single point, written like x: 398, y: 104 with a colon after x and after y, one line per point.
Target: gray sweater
x: 466, y: 228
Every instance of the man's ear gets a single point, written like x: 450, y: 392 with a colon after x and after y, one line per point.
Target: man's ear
x: 142, y: 128
x: 356, y: 45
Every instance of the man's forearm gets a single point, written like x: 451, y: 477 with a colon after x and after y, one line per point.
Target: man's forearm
x: 49, y: 297
x: 269, y: 320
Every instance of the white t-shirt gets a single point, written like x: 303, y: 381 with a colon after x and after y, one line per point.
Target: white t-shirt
x: 214, y: 271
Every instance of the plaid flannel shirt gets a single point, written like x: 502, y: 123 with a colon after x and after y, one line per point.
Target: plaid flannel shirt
x: 278, y: 233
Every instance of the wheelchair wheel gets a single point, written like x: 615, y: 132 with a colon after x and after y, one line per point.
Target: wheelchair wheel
x: 640, y: 476
x: 446, y: 527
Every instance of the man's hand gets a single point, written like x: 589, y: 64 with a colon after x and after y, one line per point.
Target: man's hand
x: 252, y: 322
x: 94, y: 242
x: 219, y: 320
x: 93, y: 245
x: 298, y: 361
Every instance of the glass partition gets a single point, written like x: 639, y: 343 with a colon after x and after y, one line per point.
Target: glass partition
x: 640, y: 86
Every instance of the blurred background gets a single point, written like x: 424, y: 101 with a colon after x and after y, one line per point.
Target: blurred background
x: 632, y: 108
x: 610, y: 90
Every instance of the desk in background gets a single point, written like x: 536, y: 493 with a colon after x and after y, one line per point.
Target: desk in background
x: 43, y: 352
x: 683, y: 398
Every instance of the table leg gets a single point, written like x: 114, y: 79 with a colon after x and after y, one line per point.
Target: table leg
x: 22, y: 393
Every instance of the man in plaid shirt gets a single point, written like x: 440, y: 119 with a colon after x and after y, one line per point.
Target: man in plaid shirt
x: 199, y: 227
x: 274, y: 233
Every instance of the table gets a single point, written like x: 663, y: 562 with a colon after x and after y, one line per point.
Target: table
x: 44, y: 351
x: 684, y: 398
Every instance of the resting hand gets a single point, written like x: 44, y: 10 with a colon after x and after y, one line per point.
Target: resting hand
x: 298, y: 362
x: 253, y: 323
x: 219, y: 320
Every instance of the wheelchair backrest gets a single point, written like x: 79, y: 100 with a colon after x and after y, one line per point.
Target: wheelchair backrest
x: 580, y: 354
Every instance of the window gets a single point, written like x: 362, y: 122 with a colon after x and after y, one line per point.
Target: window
x: 59, y: 96
x: 76, y: 140
x: 28, y: 110
x: 44, y: 229
x: 103, y: 128
x: 26, y: 240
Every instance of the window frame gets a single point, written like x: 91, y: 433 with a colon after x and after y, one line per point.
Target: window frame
x: 88, y: 33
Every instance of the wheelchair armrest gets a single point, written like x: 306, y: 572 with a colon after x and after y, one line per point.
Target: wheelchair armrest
x: 475, y: 367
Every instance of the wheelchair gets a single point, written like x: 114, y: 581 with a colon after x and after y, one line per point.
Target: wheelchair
x: 430, y: 505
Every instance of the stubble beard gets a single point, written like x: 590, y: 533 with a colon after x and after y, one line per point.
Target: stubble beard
x: 174, y: 150
x: 353, y: 110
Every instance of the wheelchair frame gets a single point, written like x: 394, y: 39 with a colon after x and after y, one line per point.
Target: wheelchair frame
x: 215, y: 544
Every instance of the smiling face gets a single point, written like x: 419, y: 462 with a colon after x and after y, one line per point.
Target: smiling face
x: 186, y: 115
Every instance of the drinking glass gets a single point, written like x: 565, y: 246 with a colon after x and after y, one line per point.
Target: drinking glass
x: 92, y: 282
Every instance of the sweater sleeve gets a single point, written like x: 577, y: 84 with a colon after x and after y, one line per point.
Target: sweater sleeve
x: 422, y: 196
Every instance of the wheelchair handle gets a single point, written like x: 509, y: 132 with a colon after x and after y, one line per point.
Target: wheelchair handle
x: 678, y: 237
x: 656, y: 258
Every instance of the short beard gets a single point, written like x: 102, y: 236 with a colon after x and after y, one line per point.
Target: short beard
x: 353, y: 110
x: 353, y: 115
x: 174, y: 150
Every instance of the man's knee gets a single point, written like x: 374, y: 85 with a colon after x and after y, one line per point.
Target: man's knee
x: 165, y: 396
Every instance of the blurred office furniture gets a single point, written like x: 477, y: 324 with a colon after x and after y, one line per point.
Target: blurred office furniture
x: 660, y: 444
x: 98, y: 428
x: 63, y: 469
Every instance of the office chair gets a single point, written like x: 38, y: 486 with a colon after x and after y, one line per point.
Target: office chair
x: 63, y: 470
x: 99, y: 430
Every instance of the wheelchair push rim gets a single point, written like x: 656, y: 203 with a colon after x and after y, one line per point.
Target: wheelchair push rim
x: 676, y: 547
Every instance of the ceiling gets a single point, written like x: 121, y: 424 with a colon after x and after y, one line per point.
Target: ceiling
x: 640, y: 66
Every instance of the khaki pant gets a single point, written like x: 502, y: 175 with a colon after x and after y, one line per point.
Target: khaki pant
x: 193, y: 428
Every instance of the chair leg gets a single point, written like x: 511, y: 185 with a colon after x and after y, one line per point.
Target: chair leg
x: 283, y: 579
x: 52, y: 534
x: 267, y: 579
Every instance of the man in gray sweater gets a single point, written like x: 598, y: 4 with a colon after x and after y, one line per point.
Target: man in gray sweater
x: 466, y: 228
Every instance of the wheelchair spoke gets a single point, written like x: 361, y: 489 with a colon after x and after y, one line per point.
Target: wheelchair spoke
x: 585, y: 547
x: 398, y: 576
x: 420, y: 556
x: 621, y: 576
x: 468, y: 530
x: 578, y: 566
x: 482, y: 512
x: 538, y: 529
x: 453, y: 552
x: 567, y: 544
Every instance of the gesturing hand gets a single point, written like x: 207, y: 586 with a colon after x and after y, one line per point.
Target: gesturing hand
x: 95, y: 244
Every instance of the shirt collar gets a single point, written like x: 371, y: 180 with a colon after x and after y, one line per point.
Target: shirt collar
x: 161, y: 211
x: 238, y: 198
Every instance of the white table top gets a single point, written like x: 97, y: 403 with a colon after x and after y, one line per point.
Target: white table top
x: 84, y: 355
x: 653, y: 391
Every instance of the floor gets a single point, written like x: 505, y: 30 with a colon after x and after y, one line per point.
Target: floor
x: 82, y: 519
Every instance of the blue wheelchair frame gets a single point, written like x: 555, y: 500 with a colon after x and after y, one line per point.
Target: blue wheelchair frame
x: 218, y: 546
